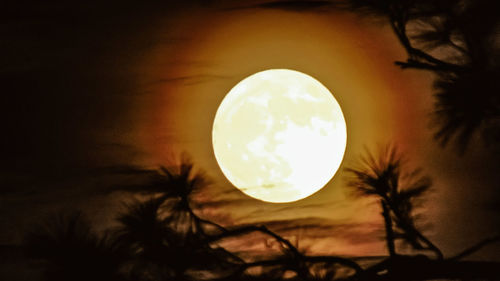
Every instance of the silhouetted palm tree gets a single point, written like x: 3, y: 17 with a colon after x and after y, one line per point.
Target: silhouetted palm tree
x: 72, y: 251
x: 383, y: 176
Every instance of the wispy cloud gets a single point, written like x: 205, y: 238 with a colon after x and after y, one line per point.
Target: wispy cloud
x: 193, y: 79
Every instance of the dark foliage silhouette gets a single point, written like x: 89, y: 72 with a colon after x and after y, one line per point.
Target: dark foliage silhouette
x: 195, y: 236
x: 164, y: 235
x: 158, y: 249
x: 72, y: 251
x: 160, y: 237
x: 457, y: 40
x: 384, y: 178
x: 174, y: 187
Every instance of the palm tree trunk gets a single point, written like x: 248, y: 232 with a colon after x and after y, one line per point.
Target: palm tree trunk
x: 389, y: 238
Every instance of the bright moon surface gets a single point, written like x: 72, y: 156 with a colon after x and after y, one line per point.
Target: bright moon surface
x: 279, y: 135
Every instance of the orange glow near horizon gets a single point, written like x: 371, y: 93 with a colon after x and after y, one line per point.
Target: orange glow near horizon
x: 185, y: 83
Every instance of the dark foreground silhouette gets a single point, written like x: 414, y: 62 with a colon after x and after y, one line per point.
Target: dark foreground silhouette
x: 457, y: 41
x: 162, y: 238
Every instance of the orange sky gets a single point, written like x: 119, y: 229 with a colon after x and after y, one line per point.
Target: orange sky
x: 138, y: 85
x: 186, y: 81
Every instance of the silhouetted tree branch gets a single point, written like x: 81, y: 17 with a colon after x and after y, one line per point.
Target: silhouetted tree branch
x: 478, y: 246
x: 382, y: 176
x: 422, y: 268
x: 152, y: 244
x: 457, y: 41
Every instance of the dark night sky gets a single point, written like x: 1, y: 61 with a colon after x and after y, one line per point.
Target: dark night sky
x: 89, y: 87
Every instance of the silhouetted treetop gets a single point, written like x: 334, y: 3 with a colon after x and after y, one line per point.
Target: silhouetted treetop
x: 383, y: 176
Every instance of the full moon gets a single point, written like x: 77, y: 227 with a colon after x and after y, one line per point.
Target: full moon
x: 279, y: 135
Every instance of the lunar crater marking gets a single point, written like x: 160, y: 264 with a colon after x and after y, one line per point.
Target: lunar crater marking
x: 284, y: 138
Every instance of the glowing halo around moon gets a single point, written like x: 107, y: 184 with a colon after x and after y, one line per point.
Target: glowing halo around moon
x: 279, y: 135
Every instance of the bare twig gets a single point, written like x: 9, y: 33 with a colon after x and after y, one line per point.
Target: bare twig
x: 471, y: 250
x: 254, y: 228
